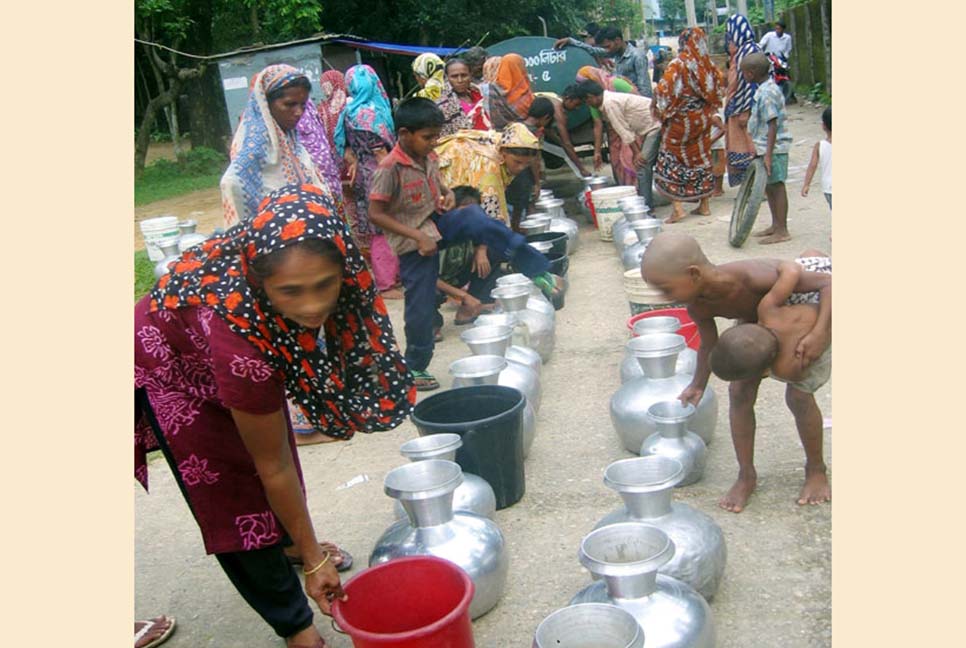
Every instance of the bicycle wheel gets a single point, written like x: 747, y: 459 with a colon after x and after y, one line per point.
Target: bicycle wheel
x: 747, y: 203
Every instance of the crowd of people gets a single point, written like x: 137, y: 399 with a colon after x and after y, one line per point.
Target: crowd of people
x: 275, y: 333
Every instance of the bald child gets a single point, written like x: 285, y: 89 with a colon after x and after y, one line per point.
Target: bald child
x: 676, y: 265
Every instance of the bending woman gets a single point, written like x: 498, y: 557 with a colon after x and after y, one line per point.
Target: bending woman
x: 686, y: 101
x: 366, y: 127
x: 281, y: 303
x: 266, y: 152
x: 621, y: 157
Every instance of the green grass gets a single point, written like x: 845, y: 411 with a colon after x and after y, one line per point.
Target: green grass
x: 143, y: 274
x: 151, y: 188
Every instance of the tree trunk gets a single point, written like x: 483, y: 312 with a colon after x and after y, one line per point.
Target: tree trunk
x: 207, y: 112
x: 147, y: 123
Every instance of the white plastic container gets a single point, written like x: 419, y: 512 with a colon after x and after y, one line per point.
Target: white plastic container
x: 157, y: 230
x: 608, y: 209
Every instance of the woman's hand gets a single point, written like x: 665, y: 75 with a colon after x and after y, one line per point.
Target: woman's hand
x: 426, y: 245
x: 324, y: 586
x: 351, y: 171
x: 446, y: 202
x: 598, y: 160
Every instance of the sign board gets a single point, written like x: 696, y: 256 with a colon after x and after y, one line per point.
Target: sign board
x: 550, y: 70
x: 238, y: 71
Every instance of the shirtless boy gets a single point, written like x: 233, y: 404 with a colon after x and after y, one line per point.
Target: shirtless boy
x: 675, y: 264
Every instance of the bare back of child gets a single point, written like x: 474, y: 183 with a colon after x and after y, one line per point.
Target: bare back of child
x: 675, y: 264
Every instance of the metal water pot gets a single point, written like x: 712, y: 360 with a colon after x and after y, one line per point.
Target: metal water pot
x: 495, y: 340
x: 533, y: 313
x: 535, y: 224
x: 471, y: 542
x: 520, y: 279
x: 569, y: 227
x: 657, y: 355
x: 627, y: 557
x: 553, y: 207
x: 591, y: 184
x: 169, y: 248
x: 674, y: 440
x: 645, y: 484
x: 589, y: 625
x: 521, y: 334
x: 644, y: 229
x: 687, y: 359
x: 491, y: 370
x: 474, y: 495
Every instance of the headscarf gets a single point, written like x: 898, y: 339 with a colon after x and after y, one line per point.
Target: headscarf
x: 513, y: 80
x: 517, y: 135
x: 313, y: 137
x: 738, y: 32
x: 689, y: 77
x: 430, y: 67
x: 490, y: 66
x: 357, y: 380
x: 368, y: 108
x: 602, y: 78
x: 510, y: 95
x: 454, y: 118
x: 334, y: 97
x: 263, y: 156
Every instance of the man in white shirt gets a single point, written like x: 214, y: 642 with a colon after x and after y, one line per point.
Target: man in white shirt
x: 777, y: 42
x: 631, y: 118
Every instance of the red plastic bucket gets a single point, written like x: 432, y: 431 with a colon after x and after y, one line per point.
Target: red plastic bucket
x: 688, y: 330
x: 411, y: 602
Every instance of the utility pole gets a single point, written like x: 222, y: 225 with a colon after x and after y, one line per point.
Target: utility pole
x: 743, y: 7
x: 713, y: 6
x: 769, y: 10
x: 692, y: 17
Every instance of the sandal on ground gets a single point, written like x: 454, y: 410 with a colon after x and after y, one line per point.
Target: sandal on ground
x: 152, y: 624
x: 424, y: 381
x: 341, y: 558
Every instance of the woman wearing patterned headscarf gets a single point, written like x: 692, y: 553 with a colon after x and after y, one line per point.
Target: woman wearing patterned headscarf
x: 510, y: 93
x: 461, y: 101
x: 686, y: 101
x: 266, y: 152
x: 741, y: 42
x: 366, y: 128
x: 428, y: 70
x: 312, y: 135
x: 280, y: 304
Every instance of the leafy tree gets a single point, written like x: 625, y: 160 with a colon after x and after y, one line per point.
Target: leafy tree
x: 673, y: 11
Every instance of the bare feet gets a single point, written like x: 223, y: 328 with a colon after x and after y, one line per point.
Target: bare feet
x: 765, y: 232
x: 701, y: 210
x: 777, y: 237
x: 675, y: 217
x: 736, y: 498
x: 717, y: 192
x: 153, y: 632
x: 392, y: 293
x: 313, y: 438
x: 816, y: 489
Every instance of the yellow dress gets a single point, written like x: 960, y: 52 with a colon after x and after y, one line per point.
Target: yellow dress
x: 472, y: 157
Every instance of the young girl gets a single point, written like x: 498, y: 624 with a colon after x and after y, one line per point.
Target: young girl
x: 282, y: 303
x: 822, y: 159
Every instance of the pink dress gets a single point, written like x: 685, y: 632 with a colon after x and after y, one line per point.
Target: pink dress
x: 193, y: 368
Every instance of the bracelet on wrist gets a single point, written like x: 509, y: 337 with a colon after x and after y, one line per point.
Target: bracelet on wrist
x: 309, y: 572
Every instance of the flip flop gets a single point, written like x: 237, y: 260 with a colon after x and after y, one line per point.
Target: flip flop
x: 424, y: 381
x: 149, y: 625
x: 344, y: 565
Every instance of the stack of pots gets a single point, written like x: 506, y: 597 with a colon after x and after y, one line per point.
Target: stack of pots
x: 633, y: 208
x: 657, y: 356
x: 674, y: 441
x: 644, y: 230
x: 607, y: 208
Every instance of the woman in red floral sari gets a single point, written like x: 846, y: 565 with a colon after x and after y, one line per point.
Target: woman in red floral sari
x: 282, y: 304
x: 686, y: 101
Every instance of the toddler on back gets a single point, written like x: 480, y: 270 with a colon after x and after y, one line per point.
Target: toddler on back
x: 745, y: 290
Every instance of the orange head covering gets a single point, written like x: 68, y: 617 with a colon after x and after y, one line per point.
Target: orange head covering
x: 602, y: 78
x: 490, y: 67
x: 513, y: 79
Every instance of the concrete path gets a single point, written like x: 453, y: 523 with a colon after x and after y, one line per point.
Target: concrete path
x: 777, y: 586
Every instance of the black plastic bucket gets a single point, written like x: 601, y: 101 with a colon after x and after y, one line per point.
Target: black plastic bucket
x: 489, y: 418
x: 557, y: 239
x: 559, y: 263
